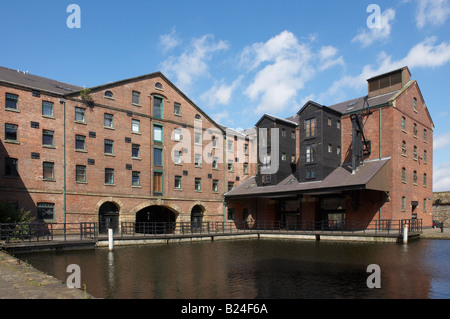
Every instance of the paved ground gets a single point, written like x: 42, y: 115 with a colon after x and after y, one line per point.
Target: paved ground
x: 19, y: 280
x: 435, y: 233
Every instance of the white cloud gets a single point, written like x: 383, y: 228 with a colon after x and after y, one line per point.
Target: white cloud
x: 193, y: 62
x: 433, y: 12
x: 441, y: 177
x: 284, y: 67
x: 221, y: 117
x: 441, y: 141
x: 220, y: 93
x: 368, y: 36
x: 326, y: 57
x: 169, y: 41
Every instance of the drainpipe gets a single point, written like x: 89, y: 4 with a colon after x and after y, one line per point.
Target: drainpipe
x: 379, y: 154
x: 224, y: 145
x: 63, y: 102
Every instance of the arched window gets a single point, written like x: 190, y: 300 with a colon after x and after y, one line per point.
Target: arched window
x: 158, y: 86
x: 403, y: 175
x: 109, y: 94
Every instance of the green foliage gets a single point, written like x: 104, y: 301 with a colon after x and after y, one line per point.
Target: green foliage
x: 8, y: 214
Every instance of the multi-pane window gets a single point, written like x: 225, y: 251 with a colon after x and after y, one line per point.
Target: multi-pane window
x: 215, y: 162
x: 293, y: 135
x: 245, y: 149
x: 283, y: 156
x: 310, y: 127
x: 415, y: 104
x: 330, y: 148
x: 109, y: 147
x: 157, y: 107
x: 11, y: 101
x: 424, y: 157
x: 425, y: 180
x: 80, y: 114
x: 230, y: 165
x: 338, y: 124
x: 136, y: 178
x: 404, y: 148
x: 415, y: 130
x: 135, y: 126
x: 293, y: 158
x: 157, y: 182
x: 80, y: 142
x: 177, y: 157
x: 310, y: 173
x: 11, y: 167
x: 424, y: 135
x: 198, y: 184
x: 157, y: 156
x: 136, y: 98
x: 177, y: 182
x: 109, y: 176
x: 424, y: 208
x: 48, y: 138
x: 310, y: 153
x: 11, y: 132
x: 198, y: 138
x: 245, y: 168
x: 403, y: 175
x: 415, y: 177
x: 48, y: 171
x: 45, y: 211
x: 157, y: 133
x: 403, y: 203
x: 415, y: 152
x: 135, y: 151
x: 47, y: 108
x: 177, y: 134
x: 403, y: 123
x: 215, y: 185
x: 214, y: 142
x: 230, y: 186
x: 108, y: 120
x: 80, y: 174
x: 283, y: 132
x: 109, y: 94
x: 198, y: 160
x: 230, y: 145
x: 177, y: 108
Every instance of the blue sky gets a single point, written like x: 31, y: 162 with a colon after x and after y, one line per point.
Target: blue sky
x: 240, y: 59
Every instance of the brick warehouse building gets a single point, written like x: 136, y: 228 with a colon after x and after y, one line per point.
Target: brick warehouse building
x: 352, y: 163
x: 132, y: 150
x: 140, y: 150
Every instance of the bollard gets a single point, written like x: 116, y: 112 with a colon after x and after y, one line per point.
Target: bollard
x: 405, y: 234
x: 442, y: 227
x: 110, y: 239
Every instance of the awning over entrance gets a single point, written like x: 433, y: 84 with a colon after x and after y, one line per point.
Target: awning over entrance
x: 373, y: 175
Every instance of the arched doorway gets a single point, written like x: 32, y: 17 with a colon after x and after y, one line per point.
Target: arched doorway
x: 155, y: 220
x: 197, y: 218
x: 108, y: 217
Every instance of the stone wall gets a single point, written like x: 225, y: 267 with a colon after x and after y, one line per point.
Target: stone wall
x: 441, y: 207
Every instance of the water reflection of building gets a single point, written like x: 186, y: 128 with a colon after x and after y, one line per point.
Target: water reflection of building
x: 358, y: 161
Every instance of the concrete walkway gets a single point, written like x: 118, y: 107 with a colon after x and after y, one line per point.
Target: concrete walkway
x: 430, y: 233
x: 19, y: 280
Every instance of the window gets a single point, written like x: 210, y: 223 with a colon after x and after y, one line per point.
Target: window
x: 11, y: 169
x: 283, y: 156
x: 214, y: 142
x: 338, y: 150
x: 135, y: 151
x: 415, y: 177
x: 136, y: 179
x: 157, y: 107
x: 310, y: 153
x: 136, y: 98
x: 177, y: 182
x: 48, y: 171
x: 45, y: 211
x: 424, y: 208
x: 245, y: 168
x: 108, y: 120
x: 310, y: 173
x: 329, y: 121
x: 157, y: 182
x: 198, y: 184
x: 109, y: 94
x: 403, y: 203
x: 415, y: 152
x: 403, y: 123
x: 338, y: 124
x: 80, y: 115
x: 11, y: 132
x: 47, y: 108
x: 266, y: 179
x: 403, y: 175
x: 424, y: 157
x: 404, y: 148
x: 293, y: 135
x: 293, y: 159
x: 230, y: 165
x: 230, y: 145
x: 215, y: 186
x: 177, y: 157
x: 283, y: 132
x: 415, y: 130
x: 330, y: 148
x: 157, y: 133
x: 231, y: 214
x: 230, y: 186
x: 415, y: 104
x: 135, y: 126
x: 177, y: 134
x: 12, y: 101
x: 80, y: 174
x: 109, y: 176
x: 158, y: 86
x: 215, y: 162
x: 424, y: 135
x: 198, y: 160
x: 80, y: 142
x: 177, y: 108
x: 109, y: 147
x: 157, y: 157
x: 48, y: 138
x: 198, y: 138
x: 425, y: 180
x: 310, y: 127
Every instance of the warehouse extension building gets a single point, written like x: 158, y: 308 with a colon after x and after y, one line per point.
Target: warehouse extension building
x: 139, y: 150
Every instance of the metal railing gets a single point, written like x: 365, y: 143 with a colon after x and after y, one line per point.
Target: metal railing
x: 82, y: 231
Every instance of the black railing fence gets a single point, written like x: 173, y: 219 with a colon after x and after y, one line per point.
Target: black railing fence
x: 83, y: 231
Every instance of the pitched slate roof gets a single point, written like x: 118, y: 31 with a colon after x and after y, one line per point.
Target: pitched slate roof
x: 35, y: 82
x: 358, y: 104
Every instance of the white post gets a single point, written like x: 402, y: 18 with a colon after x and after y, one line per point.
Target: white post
x: 405, y: 234
x: 110, y: 239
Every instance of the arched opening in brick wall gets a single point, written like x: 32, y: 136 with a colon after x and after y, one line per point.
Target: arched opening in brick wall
x: 155, y: 220
x: 108, y: 217
x: 197, y: 217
